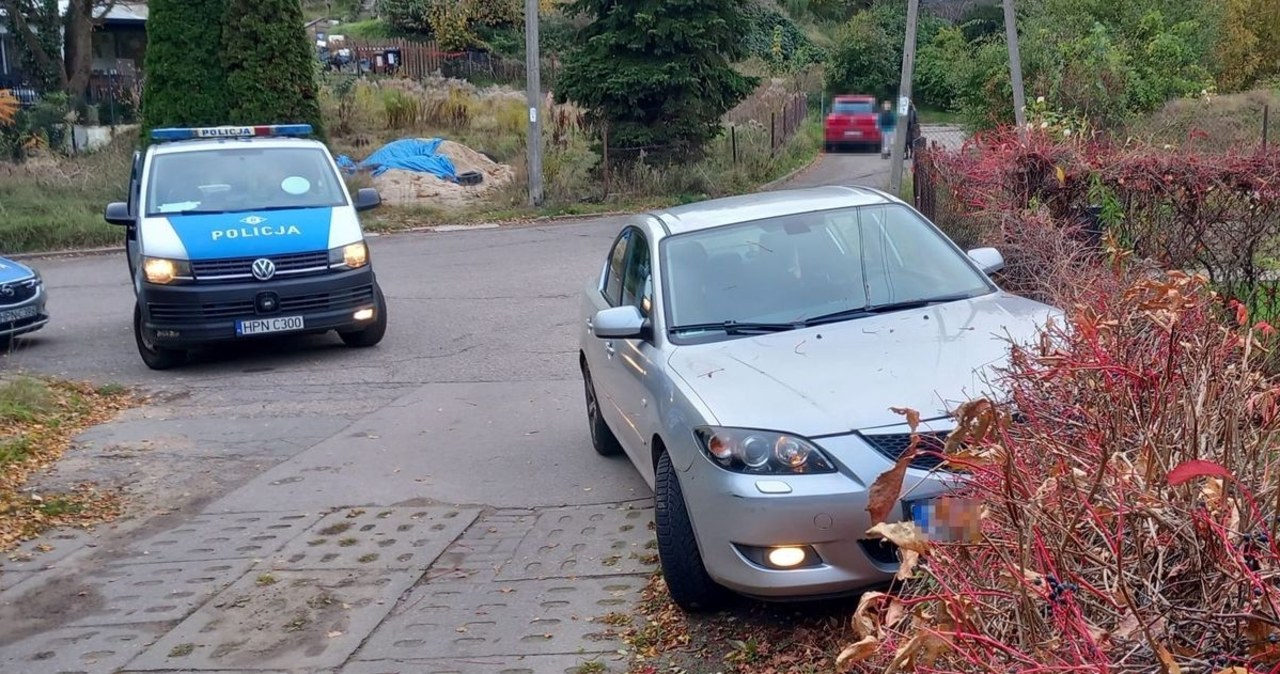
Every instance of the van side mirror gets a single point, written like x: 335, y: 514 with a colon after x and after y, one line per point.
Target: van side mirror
x: 117, y: 213
x: 368, y: 199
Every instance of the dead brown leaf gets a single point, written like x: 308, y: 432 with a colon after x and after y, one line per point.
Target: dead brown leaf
x: 1167, y: 664
x: 887, y: 488
x: 865, y: 618
x: 905, y: 535
x: 907, y: 568
x: 913, y: 416
x: 858, y: 652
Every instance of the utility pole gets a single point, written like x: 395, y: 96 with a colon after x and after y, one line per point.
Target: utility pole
x: 1015, y: 69
x: 904, y: 99
x: 533, y: 83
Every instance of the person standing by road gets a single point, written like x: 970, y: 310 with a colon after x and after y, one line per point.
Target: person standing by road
x: 913, y: 130
x: 888, y: 124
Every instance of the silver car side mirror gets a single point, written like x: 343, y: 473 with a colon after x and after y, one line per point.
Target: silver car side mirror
x: 989, y: 259
x: 624, y: 322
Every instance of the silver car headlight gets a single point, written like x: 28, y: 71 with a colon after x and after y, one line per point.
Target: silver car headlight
x: 744, y: 450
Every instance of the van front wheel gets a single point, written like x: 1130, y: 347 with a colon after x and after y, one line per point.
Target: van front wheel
x: 156, y: 358
x: 373, y: 333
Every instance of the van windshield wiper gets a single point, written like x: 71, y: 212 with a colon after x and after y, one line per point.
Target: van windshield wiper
x: 738, y: 327
x: 872, y: 310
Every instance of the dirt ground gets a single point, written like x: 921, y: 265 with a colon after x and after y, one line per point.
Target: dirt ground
x: 406, y: 188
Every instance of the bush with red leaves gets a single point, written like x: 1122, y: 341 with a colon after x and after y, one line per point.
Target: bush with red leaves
x: 1128, y: 516
x: 1200, y: 212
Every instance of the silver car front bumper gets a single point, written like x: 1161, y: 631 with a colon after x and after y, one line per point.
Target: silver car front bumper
x: 732, y: 512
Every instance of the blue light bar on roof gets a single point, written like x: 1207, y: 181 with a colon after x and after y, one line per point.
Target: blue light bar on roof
x: 213, y: 132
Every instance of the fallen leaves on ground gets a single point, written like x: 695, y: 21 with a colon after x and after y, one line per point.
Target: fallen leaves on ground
x: 752, y: 638
x: 39, y: 418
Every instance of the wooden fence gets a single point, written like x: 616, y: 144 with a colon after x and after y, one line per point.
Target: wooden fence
x: 420, y: 60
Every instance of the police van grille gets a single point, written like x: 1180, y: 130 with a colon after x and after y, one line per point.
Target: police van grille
x: 346, y: 298
x: 295, y: 263
x: 22, y: 291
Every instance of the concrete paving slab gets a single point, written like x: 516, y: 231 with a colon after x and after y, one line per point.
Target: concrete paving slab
x: 466, y: 620
x: 46, y: 551
x: 455, y: 443
x: 244, y: 535
x: 77, y: 650
x: 509, y: 664
x: 149, y: 593
x: 294, y: 620
x: 485, y: 548
x: 376, y: 538
x: 600, y: 540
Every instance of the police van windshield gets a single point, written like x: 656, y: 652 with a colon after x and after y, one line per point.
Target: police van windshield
x: 242, y: 179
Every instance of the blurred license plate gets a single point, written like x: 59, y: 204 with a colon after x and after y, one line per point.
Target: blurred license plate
x: 852, y: 134
x: 259, y: 326
x: 15, y: 315
x: 946, y: 519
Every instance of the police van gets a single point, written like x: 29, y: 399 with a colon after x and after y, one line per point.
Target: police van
x: 235, y: 233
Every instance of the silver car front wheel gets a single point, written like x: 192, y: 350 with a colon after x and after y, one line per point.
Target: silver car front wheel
x: 687, y: 580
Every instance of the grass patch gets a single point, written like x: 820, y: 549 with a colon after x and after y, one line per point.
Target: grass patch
x: 928, y: 115
x: 56, y: 203
x: 1215, y: 124
x: 38, y: 419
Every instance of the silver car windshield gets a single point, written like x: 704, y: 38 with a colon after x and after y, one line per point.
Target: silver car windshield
x: 242, y: 178
x: 811, y: 267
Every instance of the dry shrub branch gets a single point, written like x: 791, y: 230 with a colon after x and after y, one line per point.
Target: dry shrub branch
x: 1129, y: 514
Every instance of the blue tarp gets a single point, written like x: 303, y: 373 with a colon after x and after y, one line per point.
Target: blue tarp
x: 408, y: 154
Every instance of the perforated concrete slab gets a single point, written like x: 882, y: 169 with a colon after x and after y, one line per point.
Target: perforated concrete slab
x: 77, y: 650
x: 485, y: 548
x: 465, y: 620
x: 148, y: 593
x: 225, y: 536
x: 42, y: 553
x: 376, y: 538
x: 293, y: 620
x: 584, y: 541
x: 511, y: 664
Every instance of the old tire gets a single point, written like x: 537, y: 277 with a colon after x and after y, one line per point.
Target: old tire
x: 687, y: 580
x: 602, y: 437
x: 373, y: 334
x: 156, y: 357
x: 470, y: 178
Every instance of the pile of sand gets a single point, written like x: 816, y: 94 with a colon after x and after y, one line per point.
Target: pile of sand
x: 406, y: 188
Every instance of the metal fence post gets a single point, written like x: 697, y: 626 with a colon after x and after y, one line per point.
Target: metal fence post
x: 733, y: 142
x: 773, y: 131
x: 1266, y: 123
x: 605, y: 140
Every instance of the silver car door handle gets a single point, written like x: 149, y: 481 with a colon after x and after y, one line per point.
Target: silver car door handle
x: 608, y: 348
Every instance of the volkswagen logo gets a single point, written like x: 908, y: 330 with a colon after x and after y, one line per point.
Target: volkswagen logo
x: 263, y: 269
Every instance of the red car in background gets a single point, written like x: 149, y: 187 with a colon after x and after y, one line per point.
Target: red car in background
x: 853, y: 122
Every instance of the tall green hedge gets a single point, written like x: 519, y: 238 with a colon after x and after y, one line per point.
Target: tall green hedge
x: 270, y: 64
x: 185, y: 83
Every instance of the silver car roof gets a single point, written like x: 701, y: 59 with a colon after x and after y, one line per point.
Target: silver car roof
x: 732, y: 210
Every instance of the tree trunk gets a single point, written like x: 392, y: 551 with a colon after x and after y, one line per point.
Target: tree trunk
x: 79, y: 47
x: 21, y: 24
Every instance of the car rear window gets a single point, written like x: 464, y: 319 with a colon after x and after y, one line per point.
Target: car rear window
x: 852, y: 108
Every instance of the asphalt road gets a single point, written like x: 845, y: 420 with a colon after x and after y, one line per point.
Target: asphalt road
x: 476, y: 379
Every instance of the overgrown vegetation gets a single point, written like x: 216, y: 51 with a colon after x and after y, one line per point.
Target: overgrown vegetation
x: 38, y: 419
x: 54, y: 203
x: 186, y: 81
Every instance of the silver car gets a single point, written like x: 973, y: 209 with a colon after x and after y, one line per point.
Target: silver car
x: 744, y: 353
x: 22, y: 301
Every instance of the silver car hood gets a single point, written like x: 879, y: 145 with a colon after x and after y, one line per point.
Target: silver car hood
x: 843, y: 377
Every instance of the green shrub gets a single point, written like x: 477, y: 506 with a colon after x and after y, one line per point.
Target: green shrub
x: 270, y: 64
x: 185, y: 83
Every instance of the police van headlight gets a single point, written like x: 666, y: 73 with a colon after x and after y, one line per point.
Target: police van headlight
x: 351, y: 256
x: 163, y: 271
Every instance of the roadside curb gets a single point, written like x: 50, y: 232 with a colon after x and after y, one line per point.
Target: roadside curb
x: 75, y: 252
x: 803, y: 169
